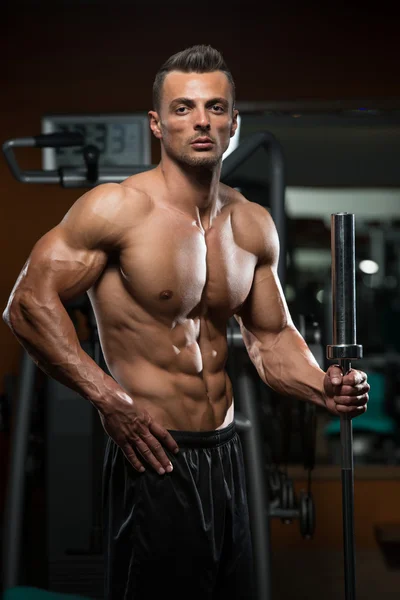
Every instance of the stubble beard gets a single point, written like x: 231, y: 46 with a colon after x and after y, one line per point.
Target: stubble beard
x: 199, y: 160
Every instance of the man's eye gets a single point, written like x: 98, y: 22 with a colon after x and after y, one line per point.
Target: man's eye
x: 181, y: 110
x: 218, y: 108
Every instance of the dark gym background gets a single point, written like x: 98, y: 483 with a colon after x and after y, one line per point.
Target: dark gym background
x: 94, y: 57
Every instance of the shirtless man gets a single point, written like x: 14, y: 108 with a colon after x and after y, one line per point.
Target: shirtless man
x: 167, y: 257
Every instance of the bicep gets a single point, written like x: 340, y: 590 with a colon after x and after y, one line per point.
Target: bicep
x: 56, y: 265
x: 265, y: 310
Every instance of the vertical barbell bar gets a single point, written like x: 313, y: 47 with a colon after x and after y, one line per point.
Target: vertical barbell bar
x: 343, y: 350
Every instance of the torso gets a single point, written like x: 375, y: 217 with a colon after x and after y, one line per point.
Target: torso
x: 162, y: 307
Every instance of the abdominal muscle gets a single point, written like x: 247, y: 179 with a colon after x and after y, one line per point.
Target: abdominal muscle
x: 181, y: 383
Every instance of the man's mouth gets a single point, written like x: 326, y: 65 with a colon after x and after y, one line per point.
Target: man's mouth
x: 202, y: 142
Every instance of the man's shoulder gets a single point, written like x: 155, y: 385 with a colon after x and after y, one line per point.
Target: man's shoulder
x: 105, y: 215
x: 244, y: 210
x: 115, y: 201
x: 253, y: 225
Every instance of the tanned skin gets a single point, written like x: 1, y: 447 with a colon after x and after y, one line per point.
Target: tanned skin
x: 167, y: 258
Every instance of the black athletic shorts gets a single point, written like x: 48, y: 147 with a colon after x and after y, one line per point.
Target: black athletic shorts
x: 185, y: 533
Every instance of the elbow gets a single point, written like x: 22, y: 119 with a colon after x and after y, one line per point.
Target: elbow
x: 17, y: 311
x: 9, y: 313
x: 7, y: 317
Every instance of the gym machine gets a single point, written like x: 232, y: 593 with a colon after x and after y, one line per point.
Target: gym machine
x: 270, y: 493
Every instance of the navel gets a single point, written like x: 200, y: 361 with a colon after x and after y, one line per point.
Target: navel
x: 166, y: 295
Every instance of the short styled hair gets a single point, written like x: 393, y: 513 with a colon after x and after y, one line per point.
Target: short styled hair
x: 196, y: 59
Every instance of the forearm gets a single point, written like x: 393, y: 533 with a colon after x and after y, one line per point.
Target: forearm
x: 47, y: 333
x: 286, y: 364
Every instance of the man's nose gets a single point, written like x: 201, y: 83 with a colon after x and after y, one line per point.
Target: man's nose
x: 202, y: 120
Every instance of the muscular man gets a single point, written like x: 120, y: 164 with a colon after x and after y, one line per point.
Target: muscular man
x: 167, y: 257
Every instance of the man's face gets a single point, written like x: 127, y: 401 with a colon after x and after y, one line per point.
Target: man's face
x: 196, y: 118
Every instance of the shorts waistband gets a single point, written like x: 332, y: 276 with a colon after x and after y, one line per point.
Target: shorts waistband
x: 204, y: 439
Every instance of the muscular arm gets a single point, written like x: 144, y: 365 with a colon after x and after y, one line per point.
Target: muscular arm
x: 64, y: 264
x: 276, y: 348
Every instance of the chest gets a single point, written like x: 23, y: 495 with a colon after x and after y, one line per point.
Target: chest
x: 177, y: 270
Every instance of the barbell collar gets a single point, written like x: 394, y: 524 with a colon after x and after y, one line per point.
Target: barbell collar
x: 344, y: 351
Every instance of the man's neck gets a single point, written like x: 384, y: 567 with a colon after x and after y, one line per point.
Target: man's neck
x: 192, y: 190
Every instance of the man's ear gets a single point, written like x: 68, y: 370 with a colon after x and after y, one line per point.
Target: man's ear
x: 234, y: 122
x: 155, y: 126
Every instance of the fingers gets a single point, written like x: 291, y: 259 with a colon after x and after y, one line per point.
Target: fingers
x: 153, y: 453
x: 133, y: 459
x: 151, y: 442
x: 357, y: 390
x: 351, y: 396
x: 335, y: 374
x: 350, y: 401
x: 164, y: 436
x: 354, y: 377
x: 139, y: 437
x: 352, y: 411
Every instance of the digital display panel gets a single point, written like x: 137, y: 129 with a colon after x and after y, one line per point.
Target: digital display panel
x: 122, y: 140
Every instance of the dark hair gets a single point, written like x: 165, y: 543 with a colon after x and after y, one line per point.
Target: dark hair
x: 197, y: 59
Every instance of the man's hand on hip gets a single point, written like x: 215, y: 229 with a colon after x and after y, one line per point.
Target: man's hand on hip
x: 136, y: 432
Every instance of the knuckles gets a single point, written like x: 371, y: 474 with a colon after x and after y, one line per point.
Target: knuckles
x: 353, y: 379
x: 351, y: 409
x: 351, y: 400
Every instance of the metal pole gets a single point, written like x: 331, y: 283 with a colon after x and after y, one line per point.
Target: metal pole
x: 15, y: 497
x: 343, y: 350
x: 248, y: 425
x: 255, y: 474
x: 278, y: 211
